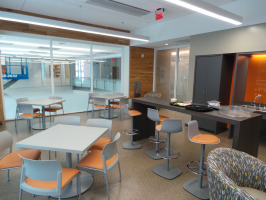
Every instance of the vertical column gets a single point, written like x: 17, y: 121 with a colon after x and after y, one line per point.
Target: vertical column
x: 52, y: 66
x: 154, y: 71
x: 176, y: 71
x: 91, y: 64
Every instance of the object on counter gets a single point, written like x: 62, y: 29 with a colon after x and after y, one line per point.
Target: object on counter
x: 214, y: 104
x: 236, y: 111
x: 199, y: 108
x: 181, y: 103
x: 173, y: 100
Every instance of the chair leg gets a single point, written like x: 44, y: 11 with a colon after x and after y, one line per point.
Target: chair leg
x: 31, y: 126
x: 16, y: 125
x: 49, y: 155
x: 78, y: 187
x: 55, y: 154
x: 20, y: 194
x: 59, y: 197
x: 92, y: 111
x: 77, y: 158
x: 119, y: 171
x: 88, y: 109
x: 8, y: 178
x: 107, y: 187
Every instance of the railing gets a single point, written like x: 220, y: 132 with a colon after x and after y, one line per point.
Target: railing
x: 98, y: 83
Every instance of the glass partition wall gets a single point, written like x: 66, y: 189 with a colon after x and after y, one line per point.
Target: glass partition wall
x: 75, y: 70
x: 171, y: 73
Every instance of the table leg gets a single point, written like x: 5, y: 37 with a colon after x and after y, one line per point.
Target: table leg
x: 43, y: 117
x: 43, y: 125
x: 109, y: 116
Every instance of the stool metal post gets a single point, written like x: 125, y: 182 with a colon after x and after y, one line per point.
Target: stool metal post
x: 166, y: 170
x: 197, y: 186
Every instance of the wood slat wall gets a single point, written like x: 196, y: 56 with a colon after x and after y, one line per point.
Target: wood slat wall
x: 141, y: 69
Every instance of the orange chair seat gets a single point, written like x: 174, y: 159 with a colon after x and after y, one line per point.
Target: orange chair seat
x: 101, y: 106
x: 67, y: 175
x: 36, y: 110
x: 205, y: 139
x: 12, y: 160
x: 161, y: 117
x: 53, y: 109
x: 159, y: 127
x: 114, y: 102
x: 99, y: 144
x: 29, y: 115
x: 133, y: 113
x: 91, y: 102
x: 118, y: 106
x: 94, y: 160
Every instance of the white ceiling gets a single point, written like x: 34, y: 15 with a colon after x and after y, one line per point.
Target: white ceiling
x: 79, y: 10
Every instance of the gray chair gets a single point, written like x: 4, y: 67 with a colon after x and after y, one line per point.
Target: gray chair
x: 101, y: 104
x: 153, y: 115
x: 26, y: 99
x: 25, y: 111
x: 109, y: 158
x: 55, y: 107
x: 90, y: 100
x: 120, y: 106
x: 167, y: 171
x: 69, y: 120
x: 102, y: 142
x: 12, y: 160
x: 131, y: 132
x: 196, y: 186
x: 36, y: 173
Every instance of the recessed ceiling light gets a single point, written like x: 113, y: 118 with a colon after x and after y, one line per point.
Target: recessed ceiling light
x: 14, y: 17
x: 166, y: 44
x: 209, y: 10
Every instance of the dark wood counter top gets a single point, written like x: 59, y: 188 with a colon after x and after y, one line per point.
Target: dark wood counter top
x: 246, y: 130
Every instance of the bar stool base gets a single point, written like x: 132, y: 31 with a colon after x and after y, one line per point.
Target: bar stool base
x: 172, y: 173
x: 192, y: 186
x: 128, y: 145
x: 156, y: 155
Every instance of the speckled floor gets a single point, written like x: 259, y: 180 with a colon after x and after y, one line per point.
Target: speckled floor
x: 138, y: 180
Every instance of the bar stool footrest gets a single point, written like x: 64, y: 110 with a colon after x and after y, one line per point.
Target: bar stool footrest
x: 174, y: 154
x: 129, y: 132
x: 153, y: 139
x: 194, y: 167
x: 156, y: 155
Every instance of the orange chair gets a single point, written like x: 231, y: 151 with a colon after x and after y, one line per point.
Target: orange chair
x: 25, y: 111
x: 131, y: 144
x: 55, y: 107
x: 46, y: 178
x: 100, y: 103
x: 120, y: 105
x: 26, y: 99
x: 12, y: 160
x: 102, y: 161
x: 102, y: 142
x: 196, y: 186
x: 90, y: 100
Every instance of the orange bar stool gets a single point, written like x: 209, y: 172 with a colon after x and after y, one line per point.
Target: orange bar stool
x: 196, y: 186
x: 131, y: 144
x: 153, y: 115
x: 167, y: 171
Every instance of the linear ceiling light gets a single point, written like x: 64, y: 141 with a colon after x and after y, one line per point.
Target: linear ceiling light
x: 209, y: 10
x: 68, y: 26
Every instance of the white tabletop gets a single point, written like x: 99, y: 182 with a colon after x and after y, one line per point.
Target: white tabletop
x: 42, y: 102
x: 64, y: 138
x: 109, y: 96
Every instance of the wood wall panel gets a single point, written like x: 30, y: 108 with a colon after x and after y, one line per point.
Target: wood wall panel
x: 141, y: 69
x: 41, y: 30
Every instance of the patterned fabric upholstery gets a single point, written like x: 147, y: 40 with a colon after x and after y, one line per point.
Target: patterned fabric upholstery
x: 228, y: 169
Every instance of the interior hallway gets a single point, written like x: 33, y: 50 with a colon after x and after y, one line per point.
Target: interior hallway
x: 138, y: 180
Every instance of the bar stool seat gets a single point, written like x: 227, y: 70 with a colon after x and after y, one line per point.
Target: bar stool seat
x: 167, y: 171
x: 131, y: 144
x: 196, y: 186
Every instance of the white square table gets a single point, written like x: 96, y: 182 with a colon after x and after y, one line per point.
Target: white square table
x: 42, y: 103
x: 69, y: 139
x: 109, y: 97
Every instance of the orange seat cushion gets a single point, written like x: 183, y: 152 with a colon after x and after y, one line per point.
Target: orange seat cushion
x: 118, y: 106
x: 134, y: 113
x: 94, y: 160
x: 205, y: 139
x: 91, y: 102
x: 12, y: 160
x: 101, y: 106
x: 99, y: 144
x: 161, y: 117
x: 159, y: 127
x: 29, y: 115
x: 114, y: 102
x: 53, y: 109
x: 67, y: 175
x: 36, y: 110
